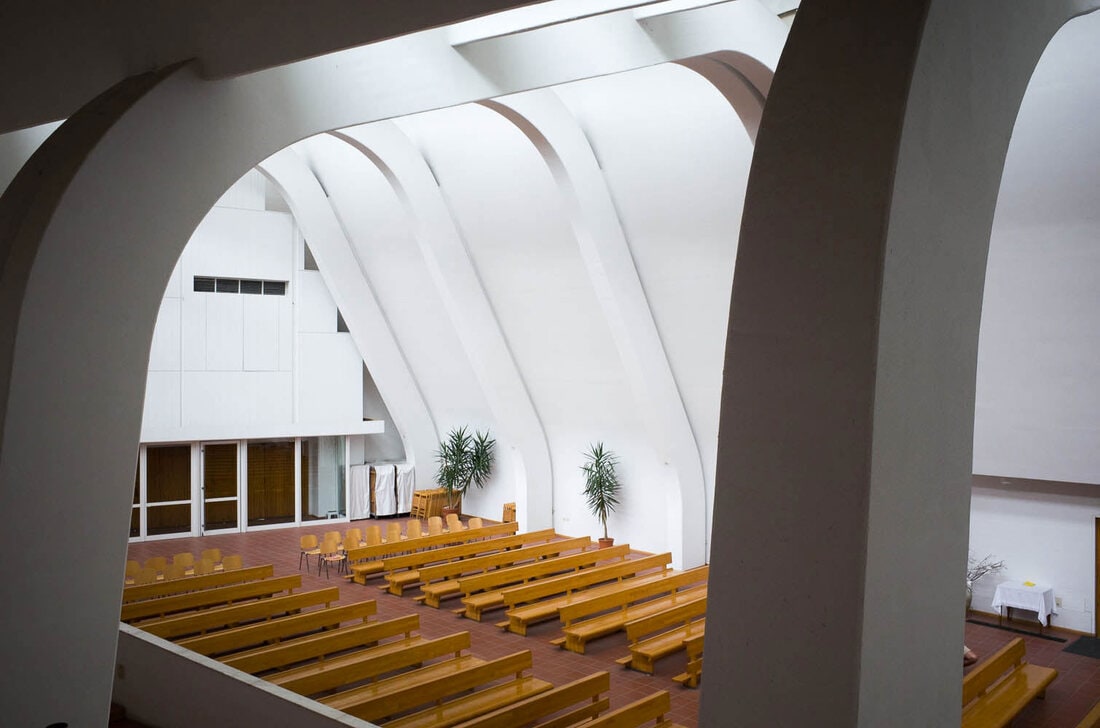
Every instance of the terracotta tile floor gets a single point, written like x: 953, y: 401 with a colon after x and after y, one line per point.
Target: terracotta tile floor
x: 1068, y: 699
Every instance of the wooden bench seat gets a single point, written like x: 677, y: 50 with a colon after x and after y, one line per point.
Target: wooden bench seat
x: 693, y: 673
x: 629, y: 602
x: 996, y: 690
x: 210, y: 597
x: 321, y: 644
x: 442, y: 581
x: 587, y: 691
x: 368, y: 561
x: 470, y: 706
x: 486, y: 591
x: 639, y: 713
x: 274, y: 630
x: 172, y: 587
x: 368, y: 664
x: 524, y: 611
x: 403, y: 572
x: 663, y: 634
x: 410, y: 690
x: 220, y: 618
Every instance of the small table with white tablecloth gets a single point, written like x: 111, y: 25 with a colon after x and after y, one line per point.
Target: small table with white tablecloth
x: 1038, y: 598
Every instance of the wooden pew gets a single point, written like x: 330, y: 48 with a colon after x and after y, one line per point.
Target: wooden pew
x: 318, y: 645
x: 486, y: 592
x: 524, y: 611
x: 640, y: 712
x: 274, y: 630
x: 195, y: 583
x: 1092, y: 718
x: 997, y: 689
x: 630, y: 601
x: 367, y: 561
x: 369, y: 663
x: 404, y: 571
x: 693, y: 673
x: 586, y: 690
x: 663, y: 634
x: 210, y: 597
x: 220, y: 618
x: 440, y: 582
x: 436, y: 683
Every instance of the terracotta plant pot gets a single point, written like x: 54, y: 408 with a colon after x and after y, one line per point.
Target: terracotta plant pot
x: 606, y: 543
x: 448, y: 509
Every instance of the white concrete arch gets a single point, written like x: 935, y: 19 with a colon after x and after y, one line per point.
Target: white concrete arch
x: 351, y: 288
x: 470, y: 311
x: 550, y: 127
x: 848, y: 416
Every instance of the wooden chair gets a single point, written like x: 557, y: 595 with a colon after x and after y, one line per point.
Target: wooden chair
x: 145, y: 575
x: 412, y: 528
x: 175, y: 570
x: 205, y: 566
x: 353, y: 539
x: 509, y: 513
x: 159, y: 563
x: 331, y: 553
x: 232, y: 562
x: 307, y: 546
x: 374, y: 535
x: 333, y: 536
x: 454, y: 523
x: 186, y: 559
x: 435, y: 525
x: 393, y: 532
x: 475, y: 522
x: 132, y: 569
x: 214, y: 556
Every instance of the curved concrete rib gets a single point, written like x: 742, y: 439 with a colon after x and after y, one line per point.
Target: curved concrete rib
x: 457, y: 282
x: 350, y: 286
x: 553, y: 131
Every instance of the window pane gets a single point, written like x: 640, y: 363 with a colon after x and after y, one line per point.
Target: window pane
x: 254, y: 287
x: 169, y: 519
x: 323, y: 478
x: 274, y: 288
x: 168, y: 473
x: 220, y: 514
x: 219, y: 475
x: 204, y: 285
x: 135, y: 522
x: 228, y: 285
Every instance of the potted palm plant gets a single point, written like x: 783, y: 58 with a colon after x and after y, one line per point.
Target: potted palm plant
x: 464, y: 460
x: 601, y: 485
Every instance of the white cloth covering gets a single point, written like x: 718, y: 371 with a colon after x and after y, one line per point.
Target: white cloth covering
x: 359, y: 492
x: 406, y: 483
x: 385, y: 493
x: 1038, y: 598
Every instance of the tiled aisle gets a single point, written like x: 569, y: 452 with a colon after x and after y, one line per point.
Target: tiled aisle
x: 1068, y: 699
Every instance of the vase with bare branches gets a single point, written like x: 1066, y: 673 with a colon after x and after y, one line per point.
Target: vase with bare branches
x: 976, y: 569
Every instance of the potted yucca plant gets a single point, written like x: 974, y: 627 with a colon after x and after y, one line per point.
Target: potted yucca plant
x: 464, y: 460
x: 601, y: 485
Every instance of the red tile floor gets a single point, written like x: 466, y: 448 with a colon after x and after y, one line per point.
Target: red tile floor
x: 1068, y: 699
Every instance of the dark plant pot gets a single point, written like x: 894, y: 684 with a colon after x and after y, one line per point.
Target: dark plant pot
x: 448, y: 510
x: 606, y: 543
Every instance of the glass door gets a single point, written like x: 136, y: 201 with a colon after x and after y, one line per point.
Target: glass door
x: 220, y: 488
x: 270, y: 483
x: 167, y: 490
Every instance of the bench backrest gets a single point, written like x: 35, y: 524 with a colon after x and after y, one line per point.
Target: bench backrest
x: 694, y: 646
x: 531, y: 709
x: 981, y: 678
x: 413, y: 693
x: 205, y: 620
x: 210, y: 597
x: 487, y: 561
x: 627, y: 593
x: 195, y: 583
x: 251, y: 635
x: 464, y: 550
x: 318, y: 645
x: 501, y: 577
x: 424, y: 543
x: 562, y: 584
x: 667, y: 619
x: 652, y: 707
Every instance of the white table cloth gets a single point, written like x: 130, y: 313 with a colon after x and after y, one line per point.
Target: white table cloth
x: 359, y: 492
x: 385, y: 492
x: 406, y: 483
x: 1038, y: 598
